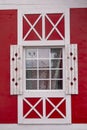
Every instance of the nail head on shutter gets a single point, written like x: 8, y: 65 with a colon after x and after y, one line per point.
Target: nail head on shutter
x: 71, y: 68
x: 71, y: 83
x: 74, y: 79
x: 16, y: 69
x: 16, y: 54
x: 13, y: 59
x: 71, y: 53
x: 16, y: 83
x: 74, y: 58
x: 13, y: 79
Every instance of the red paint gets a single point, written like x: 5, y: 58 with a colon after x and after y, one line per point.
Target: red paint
x: 32, y: 103
x: 78, y: 26
x: 26, y: 27
x: 62, y: 107
x: 26, y: 107
x: 49, y: 107
x: 33, y: 115
x: 48, y: 26
x: 33, y: 100
x: 55, y: 114
x: 55, y: 102
x: 39, y: 107
x: 32, y: 18
x: 8, y: 36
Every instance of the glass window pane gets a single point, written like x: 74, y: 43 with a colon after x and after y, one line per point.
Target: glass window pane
x: 56, y: 73
x: 56, y: 53
x: 44, y: 74
x: 56, y: 84
x: 44, y: 68
x: 44, y: 84
x: 43, y: 64
x: 56, y: 63
x: 31, y: 84
x: 31, y: 64
x: 31, y: 74
x: 43, y: 53
x: 31, y: 53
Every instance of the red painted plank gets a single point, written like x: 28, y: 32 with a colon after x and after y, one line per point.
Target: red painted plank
x: 8, y: 36
x: 78, y: 25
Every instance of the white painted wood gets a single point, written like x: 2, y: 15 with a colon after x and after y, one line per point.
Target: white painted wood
x: 67, y: 74
x: 67, y: 26
x: 20, y: 69
x: 76, y: 67
x: 44, y: 119
x: 13, y: 78
x: 43, y: 10
x: 16, y: 70
x: 71, y: 69
x: 43, y: 43
x: 68, y: 3
x: 11, y: 71
x: 32, y: 27
x: 43, y: 127
x: 54, y: 27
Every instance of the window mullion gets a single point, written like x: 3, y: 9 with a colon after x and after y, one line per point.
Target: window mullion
x: 37, y: 70
x: 50, y: 68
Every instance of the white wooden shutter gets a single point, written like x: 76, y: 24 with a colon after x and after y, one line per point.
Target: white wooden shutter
x: 71, y: 69
x: 15, y: 70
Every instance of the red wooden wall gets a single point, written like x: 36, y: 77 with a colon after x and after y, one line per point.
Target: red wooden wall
x: 8, y: 36
x: 78, y: 25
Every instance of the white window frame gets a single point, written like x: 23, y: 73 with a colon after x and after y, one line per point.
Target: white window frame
x: 44, y: 43
x: 43, y: 10
x: 44, y: 94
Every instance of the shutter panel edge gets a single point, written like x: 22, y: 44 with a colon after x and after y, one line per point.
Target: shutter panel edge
x: 71, y: 69
x: 16, y: 70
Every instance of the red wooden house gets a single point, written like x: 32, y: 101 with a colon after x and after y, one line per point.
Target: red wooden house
x: 43, y: 65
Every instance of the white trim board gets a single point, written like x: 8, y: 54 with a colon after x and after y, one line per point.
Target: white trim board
x: 43, y: 127
x: 43, y: 10
x: 69, y: 3
x: 14, y: 6
x: 59, y: 3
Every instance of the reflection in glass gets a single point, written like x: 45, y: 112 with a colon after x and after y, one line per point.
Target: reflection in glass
x: 56, y: 84
x: 31, y: 74
x: 56, y: 53
x: 31, y: 53
x: 31, y: 84
x: 43, y: 53
x: 31, y: 64
x: 56, y: 73
x: 44, y: 84
x: 44, y: 74
x: 43, y: 64
x: 56, y: 63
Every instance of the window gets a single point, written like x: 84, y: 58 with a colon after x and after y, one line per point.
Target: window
x: 44, y: 68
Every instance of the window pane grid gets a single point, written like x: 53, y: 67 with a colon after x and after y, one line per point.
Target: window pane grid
x: 45, y: 68
x: 45, y: 79
x: 50, y: 67
x: 44, y: 58
x: 41, y: 72
x: 37, y: 71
